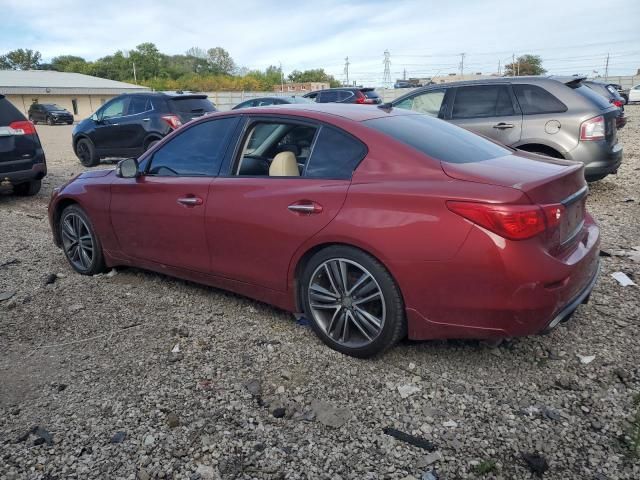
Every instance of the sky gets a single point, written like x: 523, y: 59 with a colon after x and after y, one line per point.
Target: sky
x: 424, y: 38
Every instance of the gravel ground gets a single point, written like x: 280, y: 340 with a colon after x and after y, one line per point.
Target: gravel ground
x: 89, y: 387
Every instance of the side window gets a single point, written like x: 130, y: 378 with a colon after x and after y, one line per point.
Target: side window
x: 138, y: 104
x: 428, y: 103
x: 114, y: 109
x: 344, y: 95
x: 335, y: 155
x: 264, y: 102
x: 534, y: 99
x: 482, y: 101
x: 197, y: 151
x: 313, y: 97
x: 328, y: 97
x: 266, y: 140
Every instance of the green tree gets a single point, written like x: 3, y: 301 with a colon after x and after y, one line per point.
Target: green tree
x: 313, y: 75
x: 20, y: 59
x: 525, y: 65
x: 68, y: 63
x: 148, y: 60
x: 221, y: 61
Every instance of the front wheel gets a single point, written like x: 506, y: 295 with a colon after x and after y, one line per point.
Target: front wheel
x: 353, y: 303
x: 49, y: 121
x: 80, y: 243
x: 86, y: 153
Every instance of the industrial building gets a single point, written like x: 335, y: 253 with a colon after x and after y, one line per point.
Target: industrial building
x: 78, y: 93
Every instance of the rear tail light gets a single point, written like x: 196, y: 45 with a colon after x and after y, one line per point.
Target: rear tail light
x: 592, y: 129
x: 23, y: 127
x: 515, y: 222
x: 617, y: 103
x: 361, y: 99
x: 173, y: 121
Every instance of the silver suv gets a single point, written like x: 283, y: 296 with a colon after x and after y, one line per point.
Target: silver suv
x: 553, y: 116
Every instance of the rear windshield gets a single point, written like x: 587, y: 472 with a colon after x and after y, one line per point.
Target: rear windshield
x: 191, y: 105
x: 370, y: 93
x: 438, y: 139
x: 9, y: 113
x: 595, y: 97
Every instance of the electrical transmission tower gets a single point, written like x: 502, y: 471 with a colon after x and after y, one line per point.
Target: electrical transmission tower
x: 386, y: 78
x: 462, y: 64
x: 346, y: 70
x: 606, y: 69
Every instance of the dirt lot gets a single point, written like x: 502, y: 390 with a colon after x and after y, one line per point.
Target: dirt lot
x: 88, y: 361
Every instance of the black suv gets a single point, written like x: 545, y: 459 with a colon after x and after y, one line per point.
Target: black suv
x: 366, y: 96
x: 131, y: 123
x: 22, y: 162
x: 49, y: 113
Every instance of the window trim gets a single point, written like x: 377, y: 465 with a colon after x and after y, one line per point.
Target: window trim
x: 250, y: 119
x: 566, y: 109
x: 234, y: 130
x: 516, y: 106
x: 139, y: 113
x: 442, y: 113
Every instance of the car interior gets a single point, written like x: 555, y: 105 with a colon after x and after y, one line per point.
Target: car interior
x: 276, y: 149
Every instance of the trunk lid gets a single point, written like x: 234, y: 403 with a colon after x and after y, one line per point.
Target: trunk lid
x: 544, y: 180
x: 188, y: 107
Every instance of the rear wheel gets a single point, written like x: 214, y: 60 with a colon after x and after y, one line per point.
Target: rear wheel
x: 79, y: 241
x: 49, y: 121
x: 86, y: 153
x: 28, y: 189
x: 353, y: 303
x: 595, y: 178
x: 32, y: 120
x: 151, y: 144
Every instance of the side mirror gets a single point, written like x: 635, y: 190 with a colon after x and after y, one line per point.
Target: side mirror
x: 127, y: 168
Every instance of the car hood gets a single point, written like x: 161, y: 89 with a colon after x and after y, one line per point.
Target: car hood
x: 95, y: 173
x: 543, y: 179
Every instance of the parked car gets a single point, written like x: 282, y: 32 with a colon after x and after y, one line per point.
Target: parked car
x: 22, y: 160
x: 624, y: 93
x: 131, y: 123
x: 609, y: 92
x: 634, y: 94
x: 49, y: 113
x: 557, y: 117
x: 373, y: 234
x: 266, y: 101
x: 365, y: 96
x: 405, y: 84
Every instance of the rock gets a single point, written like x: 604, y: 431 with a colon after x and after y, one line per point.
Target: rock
x: 174, y: 357
x: 550, y: 414
x: 112, y: 273
x: 118, y: 437
x: 51, y: 278
x: 586, y: 359
x: 536, y: 463
x: 329, y: 415
x: 567, y: 383
x: 172, y: 420
x: 429, y: 459
x: 623, y: 375
x: 406, y: 391
x: 181, y: 331
x: 430, y: 475
x: 6, y: 295
x: 61, y: 387
x: 149, y: 441
x: 143, y: 475
x: 450, y: 424
x: 254, y: 386
x: 280, y: 390
x: 279, y: 412
x: 412, y: 366
x: 76, y: 307
x: 206, y: 472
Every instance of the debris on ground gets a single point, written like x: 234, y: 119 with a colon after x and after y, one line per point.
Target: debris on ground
x: 410, y: 439
x: 585, y: 359
x: 406, y: 391
x: 623, y: 279
x: 537, y: 463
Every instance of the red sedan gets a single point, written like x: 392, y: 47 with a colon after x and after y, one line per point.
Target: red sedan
x: 376, y: 223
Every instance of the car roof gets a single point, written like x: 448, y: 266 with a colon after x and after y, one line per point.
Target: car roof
x: 350, y: 89
x: 529, y: 79
x: 169, y: 94
x: 349, y: 111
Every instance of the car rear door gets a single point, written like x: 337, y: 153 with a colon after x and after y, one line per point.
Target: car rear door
x: 489, y: 110
x: 159, y: 216
x: 19, y: 144
x: 256, y: 223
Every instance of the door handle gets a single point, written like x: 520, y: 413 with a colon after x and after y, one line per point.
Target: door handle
x: 190, y: 201
x: 305, y: 207
x: 503, y: 125
x: 146, y: 119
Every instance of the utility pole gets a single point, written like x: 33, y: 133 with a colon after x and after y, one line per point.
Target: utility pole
x: 281, y: 78
x: 404, y: 74
x: 386, y: 77
x: 513, y: 64
x: 346, y: 70
x: 606, y: 69
x: 499, y: 72
x: 462, y: 64
x: 135, y: 79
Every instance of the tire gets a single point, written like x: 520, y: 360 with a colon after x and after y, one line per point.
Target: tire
x: 32, y: 120
x: 370, y: 289
x: 49, y: 121
x: 151, y: 144
x: 69, y: 123
x: 86, y: 256
x: 86, y: 153
x: 28, y: 189
x: 595, y: 178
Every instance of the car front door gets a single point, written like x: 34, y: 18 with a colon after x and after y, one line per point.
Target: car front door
x: 159, y: 216
x: 133, y: 125
x: 489, y: 110
x: 258, y: 217
x: 108, y: 134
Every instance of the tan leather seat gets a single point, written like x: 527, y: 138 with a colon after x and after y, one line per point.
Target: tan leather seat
x: 284, y: 164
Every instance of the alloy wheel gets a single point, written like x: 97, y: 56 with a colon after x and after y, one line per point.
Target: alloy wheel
x: 83, y: 152
x: 346, y: 302
x: 77, y: 241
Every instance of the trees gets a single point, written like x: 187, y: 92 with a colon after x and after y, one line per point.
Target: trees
x: 221, y: 61
x: 525, y: 65
x: 68, y: 63
x: 313, y: 75
x: 20, y: 59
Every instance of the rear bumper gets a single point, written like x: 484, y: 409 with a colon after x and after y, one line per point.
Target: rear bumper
x: 34, y: 171
x: 599, y: 158
x: 497, y: 288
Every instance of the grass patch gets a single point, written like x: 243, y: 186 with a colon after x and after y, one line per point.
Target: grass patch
x: 486, y: 466
x: 634, y: 432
